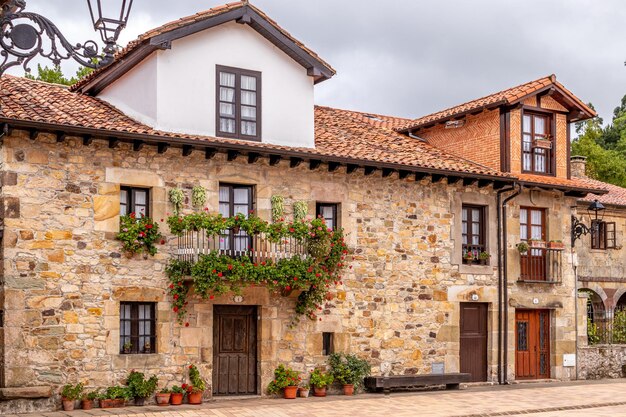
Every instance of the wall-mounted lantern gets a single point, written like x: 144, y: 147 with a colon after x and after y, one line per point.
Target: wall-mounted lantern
x: 595, y: 211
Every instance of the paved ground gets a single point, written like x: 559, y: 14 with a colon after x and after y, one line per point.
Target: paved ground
x: 598, y: 398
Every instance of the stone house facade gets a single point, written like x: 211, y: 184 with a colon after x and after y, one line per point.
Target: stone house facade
x: 414, y: 198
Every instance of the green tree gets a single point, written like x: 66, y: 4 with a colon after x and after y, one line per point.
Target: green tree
x: 55, y: 75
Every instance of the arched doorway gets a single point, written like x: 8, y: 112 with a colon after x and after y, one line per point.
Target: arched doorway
x: 597, y: 320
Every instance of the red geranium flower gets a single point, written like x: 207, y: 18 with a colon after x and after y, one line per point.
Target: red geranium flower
x: 149, y: 226
x: 162, y: 241
x: 175, y: 309
x: 211, y: 297
x: 230, y: 267
x: 171, y: 286
x: 187, y: 324
x: 219, y: 274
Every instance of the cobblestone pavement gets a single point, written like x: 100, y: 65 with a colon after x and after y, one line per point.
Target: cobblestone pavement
x: 598, y: 398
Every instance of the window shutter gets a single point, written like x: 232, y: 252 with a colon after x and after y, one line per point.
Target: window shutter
x: 610, y: 235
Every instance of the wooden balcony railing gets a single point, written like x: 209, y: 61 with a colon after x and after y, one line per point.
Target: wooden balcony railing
x: 257, y: 247
x: 541, y: 265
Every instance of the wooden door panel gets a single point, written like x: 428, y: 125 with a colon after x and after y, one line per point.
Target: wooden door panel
x: 473, y: 338
x: 532, y: 344
x: 234, y: 354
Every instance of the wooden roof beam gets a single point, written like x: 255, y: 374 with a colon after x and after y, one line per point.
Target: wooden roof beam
x: 187, y: 149
x: 333, y: 166
x: 253, y: 157
x: 314, y: 164
x: 232, y: 155
x: 209, y: 153
x: 294, y: 162
x: 351, y: 168
x: 369, y: 170
x: 387, y: 172
x: 274, y: 160
x: 138, y: 145
x: 113, y: 143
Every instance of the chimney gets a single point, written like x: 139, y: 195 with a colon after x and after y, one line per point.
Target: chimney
x: 578, y: 165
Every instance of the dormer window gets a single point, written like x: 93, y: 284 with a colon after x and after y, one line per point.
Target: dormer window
x: 537, y: 143
x: 238, y: 103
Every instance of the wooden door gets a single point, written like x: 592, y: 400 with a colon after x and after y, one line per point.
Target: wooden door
x: 234, y: 350
x: 532, y: 344
x: 473, y: 352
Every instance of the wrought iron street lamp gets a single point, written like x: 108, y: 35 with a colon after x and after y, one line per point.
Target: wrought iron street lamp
x: 23, y: 35
x: 579, y: 228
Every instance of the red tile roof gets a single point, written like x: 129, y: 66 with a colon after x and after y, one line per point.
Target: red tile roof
x: 616, y: 195
x: 578, y: 184
x: 185, y: 21
x: 339, y: 134
x: 506, y: 97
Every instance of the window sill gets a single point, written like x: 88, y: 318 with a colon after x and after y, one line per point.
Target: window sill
x: 138, y: 360
x: 476, y: 269
x: 526, y: 281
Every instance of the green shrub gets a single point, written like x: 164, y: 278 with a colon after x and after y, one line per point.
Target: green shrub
x: 321, y: 379
x: 140, y: 387
x: 72, y: 392
x: 283, y: 377
x: 348, y: 369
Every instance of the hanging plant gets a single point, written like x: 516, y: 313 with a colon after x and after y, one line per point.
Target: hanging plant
x: 177, y: 197
x: 300, y: 210
x: 278, y: 207
x: 198, y: 196
x: 216, y: 273
x: 139, y: 234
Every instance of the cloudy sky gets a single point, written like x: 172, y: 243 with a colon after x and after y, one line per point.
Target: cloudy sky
x: 413, y: 57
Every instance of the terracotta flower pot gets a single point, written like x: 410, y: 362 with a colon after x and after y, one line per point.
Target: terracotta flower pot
x: 86, y: 404
x: 304, y: 392
x: 319, y: 391
x: 119, y: 402
x: 194, y: 398
x: 176, y: 398
x: 68, y: 405
x: 107, y: 403
x: 163, y: 399
x: 290, y: 393
x: 348, y: 389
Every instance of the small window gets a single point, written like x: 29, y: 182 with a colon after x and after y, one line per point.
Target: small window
x: 473, y: 234
x: 327, y: 343
x: 137, y: 328
x: 238, y: 102
x: 1, y: 318
x: 328, y: 211
x: 537, y: 143
x: 602, y: 235
x: 235, y: 199
x: 134, y: 200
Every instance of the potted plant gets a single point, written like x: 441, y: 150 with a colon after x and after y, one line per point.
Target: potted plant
x: 556, y: 244
x: 176, y: 397
x: 304, y: 390
x: 198, y: 385
x: 147, y: 347
x: 141, y: 388
x: 484, y: 257
x: 236, y: 222
x: 126, y: 347
x: 285, y: 379
x: 163, y: 397
x: 349, y: 370
x: 69, y: 394
x: 320, y: 381
x: 522, y: 247
x: 537, y: 243
x: 88, y: 399
x: 468, y: 257
x: 114, y: 397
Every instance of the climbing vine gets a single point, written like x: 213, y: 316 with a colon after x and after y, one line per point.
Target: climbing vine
x: 215, y: 273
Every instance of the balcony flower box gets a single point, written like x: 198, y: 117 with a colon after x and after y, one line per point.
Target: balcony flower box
x: 556, y: 245
x: 537, y: 244
x: 543, y: 143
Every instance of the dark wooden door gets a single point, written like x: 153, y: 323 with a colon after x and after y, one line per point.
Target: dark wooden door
x: 532, y: 344
x: 234, y: 350
x: 473, y: 352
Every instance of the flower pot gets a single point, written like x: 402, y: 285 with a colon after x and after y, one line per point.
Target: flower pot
x: 236, y: 229
x: 543, y: 143
x: 119, y: 402
x: 537, y: 244
x: 139, y: 401
x: 556, y: 245
x: 176, y: 398
x: 86, y: 404
x: 348, y: 389
x: 319, y: 391
x: 304, y: 392
x: 163, y: 399
x: 290, y: 393
x: 194, y: 398
x: 108, y: 403
x: 68, y: 405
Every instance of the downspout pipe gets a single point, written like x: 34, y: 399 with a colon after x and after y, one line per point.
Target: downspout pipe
x: 499, y: 254
x: 504, y: 280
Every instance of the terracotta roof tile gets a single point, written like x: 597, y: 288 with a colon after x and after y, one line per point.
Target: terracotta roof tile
x: 184, y: 21
x: 616, y: 195
x: 574, y: 183
x: 505, y: 97
x: 338, y: 133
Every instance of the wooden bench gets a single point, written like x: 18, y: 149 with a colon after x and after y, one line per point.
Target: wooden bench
x: 386, y: 383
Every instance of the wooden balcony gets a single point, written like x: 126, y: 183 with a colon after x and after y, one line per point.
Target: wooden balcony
x: 258, y: 247
x: 541, y: 265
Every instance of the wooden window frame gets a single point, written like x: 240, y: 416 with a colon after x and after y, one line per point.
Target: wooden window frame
x: 482, y: 230
x: 529, y: 225
x: 550, y: 131
x: 603, y: 235
x: 130, y: 201
x: 237, y: 103
x: 134, y: 328
x: 231, y: 207
x: 334, y: 207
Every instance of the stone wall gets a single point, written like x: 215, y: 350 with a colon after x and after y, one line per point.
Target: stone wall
x: 602, y: 361
x: 398, y: 306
